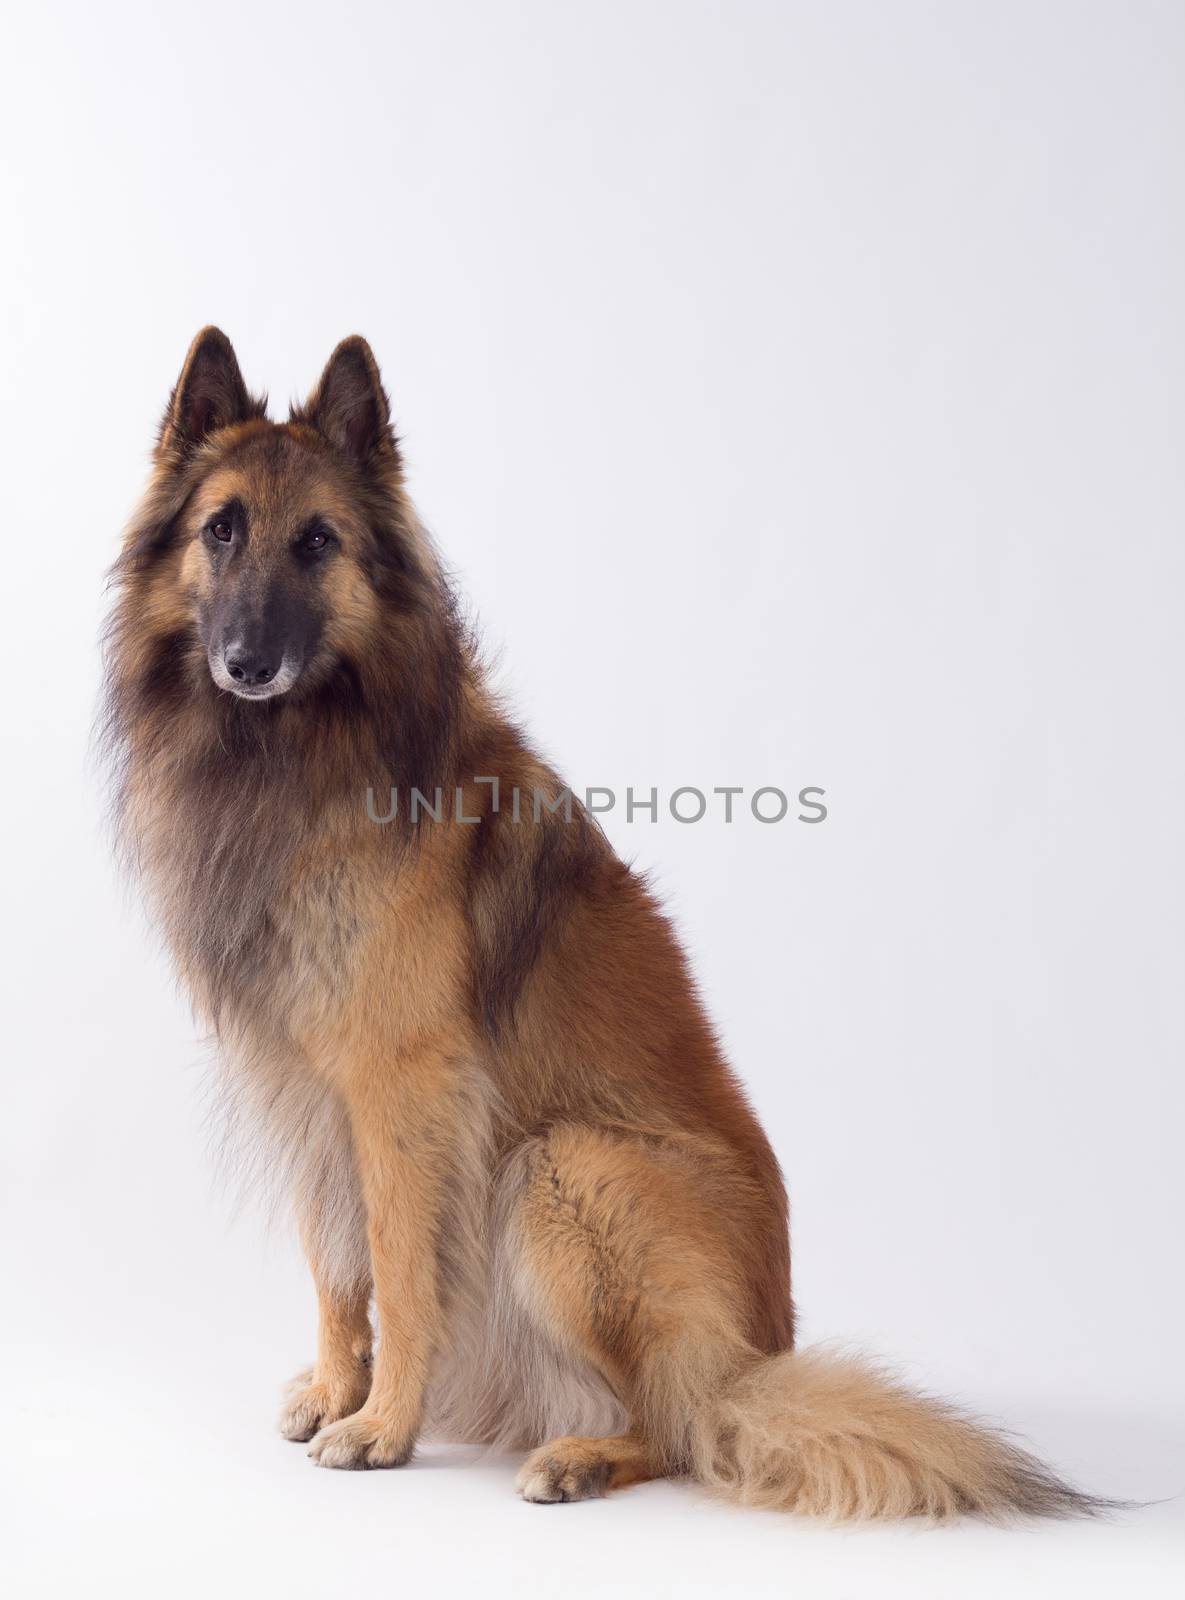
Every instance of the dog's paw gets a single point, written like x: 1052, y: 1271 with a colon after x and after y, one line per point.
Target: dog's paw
x: 310, y: 1404
x: 551, y: 1483
x: 582, y: 1469
x: 363, y: 1440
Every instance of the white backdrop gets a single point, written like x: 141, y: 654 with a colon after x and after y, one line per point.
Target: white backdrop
x: 796, y: 391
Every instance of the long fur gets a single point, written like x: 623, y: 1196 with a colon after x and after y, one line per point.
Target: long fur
x: 831, y: 1436
x: 471, y: 1051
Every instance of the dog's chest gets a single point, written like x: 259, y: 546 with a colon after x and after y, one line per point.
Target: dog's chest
x: 265, y: 920
x: 315, y: 925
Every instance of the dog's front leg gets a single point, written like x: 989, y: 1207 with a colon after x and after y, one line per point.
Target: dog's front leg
x: 339, y: 1382
x: 402, y: 1117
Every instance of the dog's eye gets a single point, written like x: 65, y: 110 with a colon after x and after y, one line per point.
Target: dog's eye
x: 313, y: 541
x: 222, y: 531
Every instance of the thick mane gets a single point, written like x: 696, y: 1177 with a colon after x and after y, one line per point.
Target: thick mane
x: 213, y: 797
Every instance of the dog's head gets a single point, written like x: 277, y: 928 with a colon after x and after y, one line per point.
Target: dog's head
x: 282, y: 540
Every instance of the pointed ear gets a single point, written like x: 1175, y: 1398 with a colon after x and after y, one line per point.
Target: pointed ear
x: 349, y: 407
x: 210, y: 394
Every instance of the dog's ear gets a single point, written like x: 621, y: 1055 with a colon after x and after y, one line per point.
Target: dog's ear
x: 210, y: 394
x: 349, y: 406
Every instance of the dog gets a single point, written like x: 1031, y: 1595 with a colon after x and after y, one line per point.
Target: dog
x: 469, y: 1037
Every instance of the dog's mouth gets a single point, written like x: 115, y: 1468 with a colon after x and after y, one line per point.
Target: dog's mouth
x: 262, y: 691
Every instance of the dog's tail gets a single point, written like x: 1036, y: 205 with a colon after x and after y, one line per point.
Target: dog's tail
x: 829, y: 1435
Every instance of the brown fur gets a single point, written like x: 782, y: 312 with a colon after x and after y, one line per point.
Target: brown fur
x: 474, y: 1051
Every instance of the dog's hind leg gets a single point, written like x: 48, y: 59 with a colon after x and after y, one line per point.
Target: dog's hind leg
x: 620, y: 1259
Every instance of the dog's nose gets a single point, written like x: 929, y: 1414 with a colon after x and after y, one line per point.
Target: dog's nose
x: 250, y: 667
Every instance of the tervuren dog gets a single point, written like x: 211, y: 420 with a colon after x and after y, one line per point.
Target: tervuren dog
x: 476, y: 1048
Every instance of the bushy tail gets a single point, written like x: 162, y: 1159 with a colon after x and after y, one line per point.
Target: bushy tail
x: 829, y: 1435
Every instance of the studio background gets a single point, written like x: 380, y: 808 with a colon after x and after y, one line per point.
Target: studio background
x: 795, y: 391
